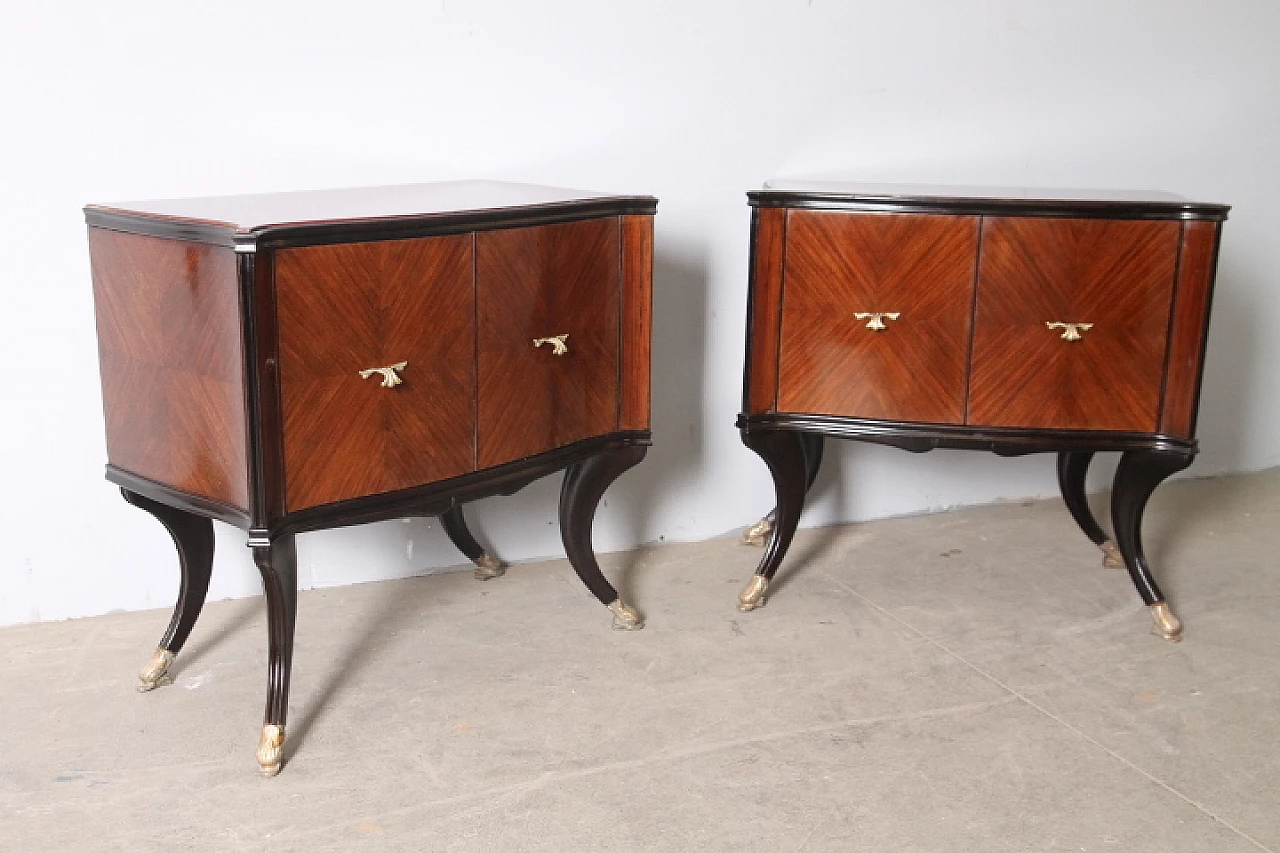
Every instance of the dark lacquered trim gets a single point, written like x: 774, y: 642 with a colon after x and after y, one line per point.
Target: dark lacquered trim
x: 178, y: 499
x: 1004, y: 441
x: 1204, y: 331
x: 751, y: 302
x: 434, y: 498
x: 431, y: 499
x: 361, y: 230
x: 989, y: 206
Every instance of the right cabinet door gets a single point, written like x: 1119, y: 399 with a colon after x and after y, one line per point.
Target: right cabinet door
x: 1071, y: 323
x: 533, y: 286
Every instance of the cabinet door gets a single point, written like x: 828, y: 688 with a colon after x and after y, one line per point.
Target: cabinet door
x: 358, y: 307
x: 538, y: 284
x: 905, y: 368
x: 1116, y: 275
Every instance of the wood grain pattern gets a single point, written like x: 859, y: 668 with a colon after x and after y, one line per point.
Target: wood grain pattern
x: 839, y: 264
x: 351, y: 307
x: 1116, y: 274
x: 1188, y: 328
x: 764, y: 307
x: 637, y: 314
x: 535, y: 283
x: 169, y: 343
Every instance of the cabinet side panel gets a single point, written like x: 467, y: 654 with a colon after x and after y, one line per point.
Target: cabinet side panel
x: 169, y: 344
x: 1189, y: 326
x: 764, y: 306
x: 377, y: 345
x: 637, y: 312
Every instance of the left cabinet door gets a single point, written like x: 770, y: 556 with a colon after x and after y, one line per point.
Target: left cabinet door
x: 402, y: 312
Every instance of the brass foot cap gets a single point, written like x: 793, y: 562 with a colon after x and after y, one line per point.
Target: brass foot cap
x: 489, y: 567
x: 1167, y: 625
x: 1112, y: 558
x: 271, y: 750
x: 156, y: 673
x: 625, y: 617
x: 758, y: 533
x: 752, y: 595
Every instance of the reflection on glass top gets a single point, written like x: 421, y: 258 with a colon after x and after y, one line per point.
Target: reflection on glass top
x: 248, y: 212
x: 854, y: 188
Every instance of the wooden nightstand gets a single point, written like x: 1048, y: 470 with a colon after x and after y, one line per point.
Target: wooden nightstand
x: 309, y: 360
x: 1002, y: 320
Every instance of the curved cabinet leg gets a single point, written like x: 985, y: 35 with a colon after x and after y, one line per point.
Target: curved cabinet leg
x: 278, y: 564
x: 784, y: 452
x: 758, y: 533
x: 193, y: 536
x: 455, y: 525
x: 584, y: 484
x: 1073, y: 465
x: 1139, y: 473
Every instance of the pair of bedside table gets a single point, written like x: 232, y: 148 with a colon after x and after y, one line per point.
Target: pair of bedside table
x: 999, y: 320
x: 300, y: 361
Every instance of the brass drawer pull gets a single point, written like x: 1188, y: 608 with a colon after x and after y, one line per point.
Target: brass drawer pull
x: 878, y: 318
x: 390, y: 378
x: 1071, y: 331
x: 557, y: 344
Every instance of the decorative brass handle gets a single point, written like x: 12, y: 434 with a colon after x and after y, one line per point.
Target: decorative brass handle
x: 390, y: 378
x: 878, y: 318
x: 1070, y: 331
x: 557, y: 344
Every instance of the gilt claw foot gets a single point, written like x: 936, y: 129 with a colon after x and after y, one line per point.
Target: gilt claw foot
x: 156, y: 673
x: 489, y: 567
x: 752, y: 595
x: 1167, y: 625
x: 271, y: 750
x: 625, y: 617
x: 758, y: 533
x: 1112, y: 558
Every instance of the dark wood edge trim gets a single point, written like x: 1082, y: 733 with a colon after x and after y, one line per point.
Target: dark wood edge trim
x: 992, y: 207
x: 436, y: 497
x: 177, y: 498
x: 262, y: 391
x: 363, y: 230
x: 246, y: 266
x: 1005, y: 441
x: 751, y: 302
x: 1204, y: 331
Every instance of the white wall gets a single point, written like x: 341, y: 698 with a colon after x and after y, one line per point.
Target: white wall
x: 691, y: 100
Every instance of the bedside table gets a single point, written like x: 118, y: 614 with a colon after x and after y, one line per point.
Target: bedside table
x: 986, y: 319
x: 310, y: 360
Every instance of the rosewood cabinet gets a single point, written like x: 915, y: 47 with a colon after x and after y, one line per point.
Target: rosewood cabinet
x: 1009, y: 321
x: 301, y: 361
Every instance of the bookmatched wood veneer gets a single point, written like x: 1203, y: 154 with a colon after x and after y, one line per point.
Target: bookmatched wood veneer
x: 168, y: 318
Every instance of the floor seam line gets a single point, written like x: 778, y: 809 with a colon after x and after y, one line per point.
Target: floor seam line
x: 1059, y: 720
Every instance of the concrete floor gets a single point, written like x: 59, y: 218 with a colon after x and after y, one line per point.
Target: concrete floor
x: 969, y: 681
